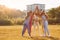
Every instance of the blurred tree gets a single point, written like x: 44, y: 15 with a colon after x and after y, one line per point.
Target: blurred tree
x: 54, y: 14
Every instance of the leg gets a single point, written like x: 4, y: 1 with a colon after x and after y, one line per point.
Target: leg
x: 43, y: 28
x: 46, y: 27
x: 34, y: 27
x: 24, y: 29
x: 38, y: 28
x: 44, y: 31
x: 47, y: 30
x: 28, y: 28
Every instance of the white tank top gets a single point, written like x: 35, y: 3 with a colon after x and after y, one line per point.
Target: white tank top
x: 43, y: 18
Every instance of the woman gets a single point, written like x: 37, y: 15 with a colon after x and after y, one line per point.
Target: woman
x: 36, y: 19
x: 45, y: 23
x: 27, y: 23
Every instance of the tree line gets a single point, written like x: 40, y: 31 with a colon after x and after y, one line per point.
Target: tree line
x: 10, y: 16
x: 54, y: 15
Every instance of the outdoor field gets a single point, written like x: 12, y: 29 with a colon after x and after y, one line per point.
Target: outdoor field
x: 14, y: 33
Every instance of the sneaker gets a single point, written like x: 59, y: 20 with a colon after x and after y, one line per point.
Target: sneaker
x: 44, y: 35
x: 49, y: 35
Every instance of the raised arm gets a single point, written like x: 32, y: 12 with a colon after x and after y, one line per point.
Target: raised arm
x: 46, y: 15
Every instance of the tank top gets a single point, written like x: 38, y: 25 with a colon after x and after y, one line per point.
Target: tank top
x: 44, y: 18
x: 27, y: 20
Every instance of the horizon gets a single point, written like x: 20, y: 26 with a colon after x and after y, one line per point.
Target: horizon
x: 22, y: 4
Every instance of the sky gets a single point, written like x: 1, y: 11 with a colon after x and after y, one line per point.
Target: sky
x: 21, y: 4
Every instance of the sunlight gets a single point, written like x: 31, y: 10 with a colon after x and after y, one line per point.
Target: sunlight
x: 21, y: 4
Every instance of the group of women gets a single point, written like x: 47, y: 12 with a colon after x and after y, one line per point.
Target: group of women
x: 36, y: 14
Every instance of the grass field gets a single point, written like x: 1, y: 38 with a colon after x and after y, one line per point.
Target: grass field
x: 14, y: 33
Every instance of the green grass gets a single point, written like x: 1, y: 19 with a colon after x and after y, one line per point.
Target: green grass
x: 14, y: 33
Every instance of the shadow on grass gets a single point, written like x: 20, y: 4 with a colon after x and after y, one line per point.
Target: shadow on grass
x: 42, y: 38
x: 53, y: 38
x: 27, y: 37
x: 45, y: 38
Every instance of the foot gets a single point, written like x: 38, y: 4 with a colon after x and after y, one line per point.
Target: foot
x: 30, y: 36
x: 44, y: 35
x: 49, y: 35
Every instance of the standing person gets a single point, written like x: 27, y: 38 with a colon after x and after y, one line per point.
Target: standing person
x: 36, y: 19
x: 27, y: 24
x: 45, y: 23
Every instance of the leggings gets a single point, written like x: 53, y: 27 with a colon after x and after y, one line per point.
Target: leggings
x: 26, y: 26
x: 45, y: 25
